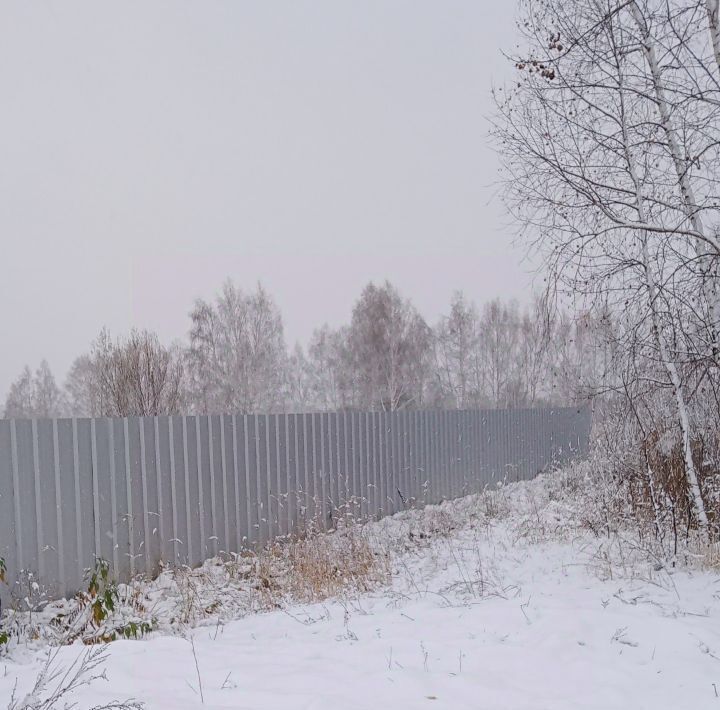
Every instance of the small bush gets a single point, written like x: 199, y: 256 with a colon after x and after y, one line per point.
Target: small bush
x: 99, y: 613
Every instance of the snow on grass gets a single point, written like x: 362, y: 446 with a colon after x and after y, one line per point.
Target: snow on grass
x: 497, y: 601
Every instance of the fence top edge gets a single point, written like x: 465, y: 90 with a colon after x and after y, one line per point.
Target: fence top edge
x: 575, y: 409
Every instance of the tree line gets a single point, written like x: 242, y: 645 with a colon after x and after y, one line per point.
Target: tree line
x: 235, y: 359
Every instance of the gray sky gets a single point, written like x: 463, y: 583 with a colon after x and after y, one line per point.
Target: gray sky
x: 149, y: 150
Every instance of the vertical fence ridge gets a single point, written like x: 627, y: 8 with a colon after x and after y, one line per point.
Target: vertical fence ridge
x: 141, y: 491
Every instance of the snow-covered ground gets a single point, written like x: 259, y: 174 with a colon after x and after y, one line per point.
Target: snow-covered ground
x: 498, y: 611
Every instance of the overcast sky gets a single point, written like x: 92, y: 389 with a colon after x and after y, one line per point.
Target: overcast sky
x: 149, y: 150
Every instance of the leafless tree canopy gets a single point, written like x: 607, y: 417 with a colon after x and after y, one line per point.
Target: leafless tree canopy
x: 387, y: 357
x: 610, y: 144
x: 82, y: 387
x: 389, y: 349
x: 237, y: 355
x: 132, y: 376
x: 138, y: 376
x: 35, y: 395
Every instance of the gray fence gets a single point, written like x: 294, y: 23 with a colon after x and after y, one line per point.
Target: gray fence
x: 180, y: 489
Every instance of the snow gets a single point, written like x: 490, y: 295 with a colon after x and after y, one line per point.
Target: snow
x: 485, y: 615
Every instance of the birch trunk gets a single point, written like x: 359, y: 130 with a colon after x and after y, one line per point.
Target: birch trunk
x: 708, y: 259
x: 713, y: 15
x: 663, y: 351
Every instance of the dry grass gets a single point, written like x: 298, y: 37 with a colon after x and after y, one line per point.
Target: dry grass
x: 306, y: 569
x: 56, y: 684
x: 329, y: 565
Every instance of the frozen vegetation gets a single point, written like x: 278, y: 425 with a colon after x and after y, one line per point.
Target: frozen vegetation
x: 533, y: 595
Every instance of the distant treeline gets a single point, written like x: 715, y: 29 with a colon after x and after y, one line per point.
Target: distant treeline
x: 235, y: 359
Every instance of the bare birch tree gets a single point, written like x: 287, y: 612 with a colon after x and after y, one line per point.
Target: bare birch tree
x: 457, y: 341
x: 608, y: 141
x: 35, y: 395
x: 389, y: 346
x: 82, y: 388
x: 237, y: 357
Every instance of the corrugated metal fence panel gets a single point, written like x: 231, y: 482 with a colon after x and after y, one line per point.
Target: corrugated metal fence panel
x: 139, y: 492
x: 9, y: 541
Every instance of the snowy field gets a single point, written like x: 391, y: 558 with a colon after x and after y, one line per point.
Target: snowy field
x: 506, y: 608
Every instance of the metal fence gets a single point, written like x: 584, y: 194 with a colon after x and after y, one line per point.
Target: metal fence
x: 140, y: 491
